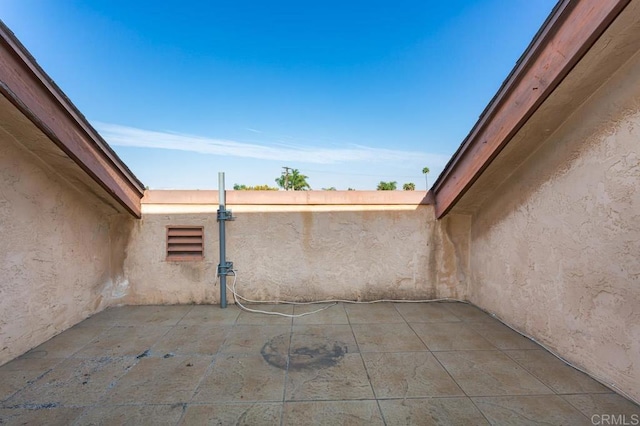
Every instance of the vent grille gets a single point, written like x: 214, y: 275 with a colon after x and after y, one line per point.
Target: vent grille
x: 185, y: 243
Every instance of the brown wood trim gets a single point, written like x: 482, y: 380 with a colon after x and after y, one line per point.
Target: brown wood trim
x: 28, y: 87
x: 570, y: 31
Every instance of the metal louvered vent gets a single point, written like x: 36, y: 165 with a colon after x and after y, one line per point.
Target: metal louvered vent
x: 185, y: 243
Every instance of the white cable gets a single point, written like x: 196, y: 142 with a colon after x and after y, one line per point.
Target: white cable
x: 446, y: 299
x: 333, y: 302
x: 236, y: 296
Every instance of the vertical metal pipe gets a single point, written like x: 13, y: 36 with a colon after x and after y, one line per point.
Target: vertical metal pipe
x: 223, y: 242
x: 221, y: 190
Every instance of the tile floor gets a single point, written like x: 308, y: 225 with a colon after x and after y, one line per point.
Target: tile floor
x: 394, y: 364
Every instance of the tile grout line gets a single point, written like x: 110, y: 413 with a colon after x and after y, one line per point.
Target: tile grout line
x: 526, y: 370
x: 138, y: 360
x: 209, y: 368
x: 578, y: 409
x: 286, y: 371
x: 364, y: 364
x: 32, y: 381
x: 456, y: 382
x: 504, y: 352
x: 85, y: 410
x: 114, y: 383
x: 539, y: 343
x: 110, y: 386
x: 556, y: 392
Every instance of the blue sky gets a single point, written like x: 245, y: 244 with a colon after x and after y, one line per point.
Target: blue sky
x: 349, y: 93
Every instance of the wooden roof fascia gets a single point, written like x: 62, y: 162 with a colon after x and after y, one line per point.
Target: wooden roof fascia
x: 569, y: 32
x: 31, y: 90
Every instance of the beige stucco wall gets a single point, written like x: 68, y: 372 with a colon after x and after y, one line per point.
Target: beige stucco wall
x: 302, y: 252
x: 556, y: 250
x: 59, y: 251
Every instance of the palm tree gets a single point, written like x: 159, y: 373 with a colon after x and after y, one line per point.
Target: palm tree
x: 293, y: 181
x: 425, y: 171
x: 386, y: 186
x: 409, y: 186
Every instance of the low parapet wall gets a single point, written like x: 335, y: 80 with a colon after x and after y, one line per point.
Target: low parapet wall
x: 270, y: 198
x: 311, y: 245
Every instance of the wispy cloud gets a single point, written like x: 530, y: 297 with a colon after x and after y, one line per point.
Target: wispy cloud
x: 118, y: 135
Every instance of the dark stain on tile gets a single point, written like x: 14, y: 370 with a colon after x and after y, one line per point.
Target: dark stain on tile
x: 275, y: 351
x: 144, y: 354
x: 46, y: 406
x: 312, y: 352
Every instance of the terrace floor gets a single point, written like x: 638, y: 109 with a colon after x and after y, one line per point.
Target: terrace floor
x: 394, y: 364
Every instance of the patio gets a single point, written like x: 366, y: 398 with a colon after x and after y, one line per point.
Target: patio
x: 437, y: 363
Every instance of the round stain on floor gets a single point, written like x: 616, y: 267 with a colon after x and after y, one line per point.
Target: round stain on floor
x: 310, y: 352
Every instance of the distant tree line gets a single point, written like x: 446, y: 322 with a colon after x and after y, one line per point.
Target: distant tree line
x: 392, y: 186
x: 238, y: 187
x: 293, y: 180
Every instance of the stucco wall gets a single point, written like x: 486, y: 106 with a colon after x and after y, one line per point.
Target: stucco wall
x: 59, y: 259
x: 301, y: 252
x: 556, y: 251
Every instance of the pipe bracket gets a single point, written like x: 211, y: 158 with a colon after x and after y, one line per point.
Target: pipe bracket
x: 225, y: 269
x: 224, y: 215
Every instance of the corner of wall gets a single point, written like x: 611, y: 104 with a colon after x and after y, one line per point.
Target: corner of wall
x: 452, y: 237
x: 116, y: 285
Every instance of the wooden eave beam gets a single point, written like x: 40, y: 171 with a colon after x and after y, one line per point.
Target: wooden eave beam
x: 569, y: 32
x: 29, y: 88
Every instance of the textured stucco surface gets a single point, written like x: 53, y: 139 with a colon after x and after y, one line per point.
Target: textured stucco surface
x: 302, y: 252
x: 556, y: 250
x: 59, y: 251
